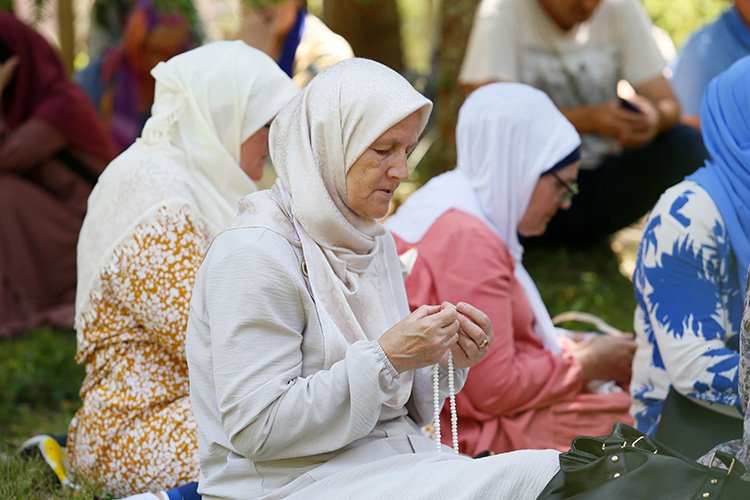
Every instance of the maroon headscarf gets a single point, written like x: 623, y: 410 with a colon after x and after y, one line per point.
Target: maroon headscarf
x: 41, y: 89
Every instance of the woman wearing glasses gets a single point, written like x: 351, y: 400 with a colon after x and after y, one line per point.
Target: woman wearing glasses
x: 517, y: 165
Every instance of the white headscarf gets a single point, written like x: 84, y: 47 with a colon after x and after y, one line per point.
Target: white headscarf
x: 508, y: 135
x: 352, y: 263
x: 207, y: 102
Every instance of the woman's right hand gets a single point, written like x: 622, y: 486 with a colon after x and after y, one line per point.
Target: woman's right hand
x: 605, y: 358
x: 422, y: 337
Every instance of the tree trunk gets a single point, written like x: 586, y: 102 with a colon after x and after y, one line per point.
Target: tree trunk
x: 66, y: 29
x: 456, y: 17
x: 372, y: 27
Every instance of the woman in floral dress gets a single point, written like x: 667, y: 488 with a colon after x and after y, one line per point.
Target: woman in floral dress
x: 690, y: 277
x: 150, y: 220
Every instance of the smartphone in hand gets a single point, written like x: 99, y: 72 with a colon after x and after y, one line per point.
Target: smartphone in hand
x: 625, y: 104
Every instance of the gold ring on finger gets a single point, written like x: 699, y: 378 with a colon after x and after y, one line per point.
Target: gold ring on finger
x: 483, y: 344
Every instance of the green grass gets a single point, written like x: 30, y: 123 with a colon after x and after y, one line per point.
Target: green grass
x: 25, y: 478
x: 583, y: 280
x: 39, y: 383
x: 31, y: 479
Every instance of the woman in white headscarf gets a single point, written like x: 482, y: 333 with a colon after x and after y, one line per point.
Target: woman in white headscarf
x: 150, y: 220
x: 308, y: 376
x: 517, y: 165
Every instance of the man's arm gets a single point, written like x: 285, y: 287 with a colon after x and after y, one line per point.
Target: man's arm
x: 659, y: 110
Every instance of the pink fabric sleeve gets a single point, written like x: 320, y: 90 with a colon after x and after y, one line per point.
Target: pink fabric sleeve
x: 469, y: 263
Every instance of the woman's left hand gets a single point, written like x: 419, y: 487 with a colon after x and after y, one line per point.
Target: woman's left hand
x: 474, y: 336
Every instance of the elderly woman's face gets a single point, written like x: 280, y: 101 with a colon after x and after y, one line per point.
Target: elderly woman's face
x: 549, y: 196
x: 376, y: 174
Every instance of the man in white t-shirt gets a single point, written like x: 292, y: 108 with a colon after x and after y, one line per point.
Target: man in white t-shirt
x: 577, y: 51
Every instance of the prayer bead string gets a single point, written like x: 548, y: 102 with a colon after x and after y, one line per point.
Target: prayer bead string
x: 437, y: 404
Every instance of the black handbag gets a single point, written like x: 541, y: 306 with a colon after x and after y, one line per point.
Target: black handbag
x: 627, y: 464
x: 692, y: 429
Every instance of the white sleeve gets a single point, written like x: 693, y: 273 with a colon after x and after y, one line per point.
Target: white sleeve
x: 680, y: 262
x: 268, y: 410
x: 492, y: 51
x: 641, y: 59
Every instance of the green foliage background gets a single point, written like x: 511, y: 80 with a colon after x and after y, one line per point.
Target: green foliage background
x: 680, y: 17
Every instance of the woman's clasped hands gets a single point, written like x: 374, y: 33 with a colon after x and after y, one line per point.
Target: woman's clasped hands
x: 426, y: 336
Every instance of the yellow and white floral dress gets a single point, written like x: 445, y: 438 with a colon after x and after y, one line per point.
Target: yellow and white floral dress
x: 135, y: 431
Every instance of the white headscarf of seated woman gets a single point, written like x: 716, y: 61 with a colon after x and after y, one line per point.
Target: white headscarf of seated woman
x: 351, y: 260
x: 208, y: 101
x: 508, y: 135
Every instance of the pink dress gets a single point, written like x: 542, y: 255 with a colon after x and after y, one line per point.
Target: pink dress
x: 520, y: 395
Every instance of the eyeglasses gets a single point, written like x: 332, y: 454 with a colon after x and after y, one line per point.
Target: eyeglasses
x: 571, y: 189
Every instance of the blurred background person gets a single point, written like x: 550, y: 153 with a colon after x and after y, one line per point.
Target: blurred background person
x: 52, y: 149
x: 577, y: 51
x: 108, y: 21
x: 299, y: 42
x: 709, y: 51
x: 120, y: 83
